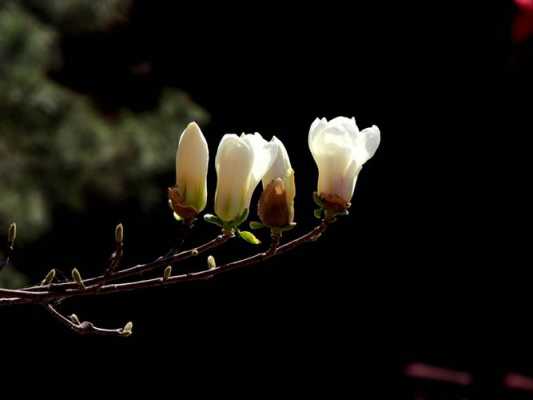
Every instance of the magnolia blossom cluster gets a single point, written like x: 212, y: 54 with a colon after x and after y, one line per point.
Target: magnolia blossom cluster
x: 338, y: 147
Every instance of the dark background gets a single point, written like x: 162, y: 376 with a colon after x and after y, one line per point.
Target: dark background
x: 428, y: 267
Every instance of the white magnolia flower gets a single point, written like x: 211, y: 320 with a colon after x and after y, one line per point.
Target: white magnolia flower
x: 340, y: 150
x: 241, y: 162
x: 276, y: 205
x: 192, y: 159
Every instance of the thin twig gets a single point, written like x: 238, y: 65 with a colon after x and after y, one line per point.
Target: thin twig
x: 85, y: 327
x: 25, y: 297
x: 138, y: 269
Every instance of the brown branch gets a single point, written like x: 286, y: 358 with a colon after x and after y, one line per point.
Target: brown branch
x: 86, y: 327
x: 24, y: 297
x: 138, y: 269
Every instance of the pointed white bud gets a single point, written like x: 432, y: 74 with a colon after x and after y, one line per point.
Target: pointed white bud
x: 192, y: 159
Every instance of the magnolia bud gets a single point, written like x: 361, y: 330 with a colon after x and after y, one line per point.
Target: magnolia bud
x: 211, y: 263
x: 167, y: 272
x: 119, y: 233
x: 276, y: 204
x: 12, y: 233
x: 127, y: 330
x: 76, y: 277
x: 189, y: 196
x: 74, y: 318
x: 49, y: 277
x: 275, y: 209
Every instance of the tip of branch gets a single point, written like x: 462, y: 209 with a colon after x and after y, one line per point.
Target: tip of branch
x: 211, y: 263
x: 127, y: 330
x: 74, y: 318
x: 119, y: 233
x: 12, y: 233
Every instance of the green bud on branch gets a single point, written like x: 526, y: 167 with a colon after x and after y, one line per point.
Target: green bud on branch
x: 119, y: 234
x: 211, y: 263
x: 12, y: 234
x: 76, y: 276
x: 167, y: 272
x: 48, y: 279
x: 249, y: 237
x: 74, y: 318
x: 127, y: 330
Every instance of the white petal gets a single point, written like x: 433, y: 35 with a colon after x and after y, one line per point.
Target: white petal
x: 317, y: 126
x: 347, y: 124
x: 264, y: 155
x: 192, y: 160
x: 331, y: 139
x: 233, y: 163
x: 281, y: 165
x: 366, y: 144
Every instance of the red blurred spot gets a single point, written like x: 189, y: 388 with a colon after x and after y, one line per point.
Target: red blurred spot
x: 526, y: 5
x: 517, y: 381
x: 523, y: 21
x: 425, y: 371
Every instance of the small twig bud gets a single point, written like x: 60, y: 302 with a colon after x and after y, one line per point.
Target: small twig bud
x: 167, y: 272
x: 74, y: 318
x: 211, y: 263
x: 76, y: 276
x: 128, y: 329
x: 12, y: 234
x: 48, y: 279
x: 119, y: 233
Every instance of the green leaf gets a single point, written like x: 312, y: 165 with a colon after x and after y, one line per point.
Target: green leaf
x: 256, y: 225
x: 249, y: 237
x: 213, y: 219
x: 318, y: 213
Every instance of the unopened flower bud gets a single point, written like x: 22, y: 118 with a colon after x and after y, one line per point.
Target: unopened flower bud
x: 12, y: 233
x: 74, y: 318
x: 128, y: 329
x: 119, y: 233
x: 275, y: 209
x: 167, y: 272
x: 189, y: 196
x: 76, y: 276
x: 49, y: 277
x: 211, y: 263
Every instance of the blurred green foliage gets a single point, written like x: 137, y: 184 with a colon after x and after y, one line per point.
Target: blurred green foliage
x: 55, y: 145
